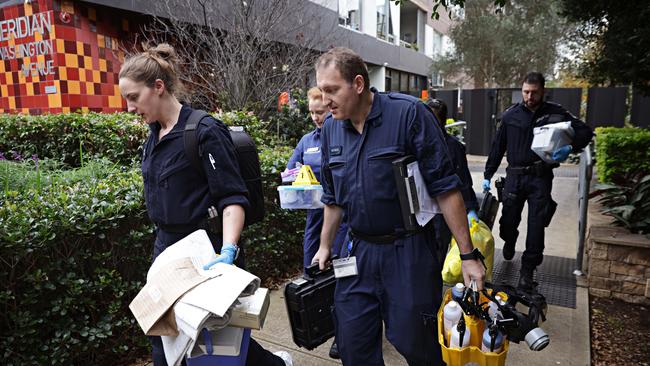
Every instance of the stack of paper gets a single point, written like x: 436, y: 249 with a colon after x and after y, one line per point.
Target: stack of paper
x: 203, y: 298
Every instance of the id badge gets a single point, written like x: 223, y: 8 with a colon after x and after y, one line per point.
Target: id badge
x: 345, y: 267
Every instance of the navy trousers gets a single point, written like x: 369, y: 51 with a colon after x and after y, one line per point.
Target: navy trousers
x: 398, y: 285
x: 311, y: 242
x: 536, y: 190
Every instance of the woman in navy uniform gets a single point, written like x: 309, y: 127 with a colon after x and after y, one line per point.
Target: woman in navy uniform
x: 177, y: 196
x: 458, y: 158
x: 394, y: 278
x: 308, y: 152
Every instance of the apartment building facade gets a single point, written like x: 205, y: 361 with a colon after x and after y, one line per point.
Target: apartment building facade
x: 64, y: 55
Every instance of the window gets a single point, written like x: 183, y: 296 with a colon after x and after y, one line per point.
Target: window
x: 384, y: 21
x: 350, y: 14
x: 437, y: 43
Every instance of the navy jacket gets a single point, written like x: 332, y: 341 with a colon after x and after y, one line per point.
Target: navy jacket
x: 357, y: 171
x: 515, y: 134
x: 178, y: 194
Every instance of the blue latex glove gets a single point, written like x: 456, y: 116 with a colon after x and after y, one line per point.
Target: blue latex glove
x: 227, y: 256
x: 562, y: 153
x: 486, y: 184
x: 471, y: 216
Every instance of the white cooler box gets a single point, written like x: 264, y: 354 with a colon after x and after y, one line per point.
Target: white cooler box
x: 548, y: 138
x: 301, y: 197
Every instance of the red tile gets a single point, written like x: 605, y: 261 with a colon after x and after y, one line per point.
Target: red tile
x: 107, y: 89
x: 73, y: 73
x: 75, y: 100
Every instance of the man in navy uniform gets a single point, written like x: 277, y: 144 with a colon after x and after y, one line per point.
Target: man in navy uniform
x: 528, y: 178
x: 392, y: 275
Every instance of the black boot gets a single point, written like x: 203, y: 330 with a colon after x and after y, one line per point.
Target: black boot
x: 334, y: 351
x: 508, y: 250
x: 526, y: 282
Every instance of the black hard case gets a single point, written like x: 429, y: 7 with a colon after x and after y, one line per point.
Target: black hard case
x: 309, y: 302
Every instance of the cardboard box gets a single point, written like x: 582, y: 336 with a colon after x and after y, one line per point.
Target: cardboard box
x: 251, y: 310
x: 152, y: 307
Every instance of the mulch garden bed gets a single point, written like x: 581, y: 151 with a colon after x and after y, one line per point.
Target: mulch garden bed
x: 620, y: 333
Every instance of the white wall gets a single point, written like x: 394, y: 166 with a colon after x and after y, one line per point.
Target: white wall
x: 369, y: 17
x: 377, y: 75
x: 428, y: 40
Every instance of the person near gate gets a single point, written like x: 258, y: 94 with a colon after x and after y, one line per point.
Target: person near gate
x: 308, y: 152
x: 528, y: 178
x: 391, y: 276
x: 176, y: 195
x: 458, y: 158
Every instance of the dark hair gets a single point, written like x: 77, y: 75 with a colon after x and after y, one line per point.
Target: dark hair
x: 159, y: 62
x: 439, y: 108
x: 347, y: 62
x: 535, y: 78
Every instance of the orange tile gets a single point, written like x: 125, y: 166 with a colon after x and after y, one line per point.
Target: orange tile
x: 66, y: 109
x: 30, y: 89
x: 63, y: 73
x: 82, y: 75
x: 96, y: 76
x: 80, y: 48
x: 88, y: 62
x: 71, y: 60
x: 4, y: 92
x: 102, y: 65
x: 12, y: 102
x: 54, y: 100
x: 84, y: 109
x: 60, y: 47
x: 73, y: 87
x: 90, y: 88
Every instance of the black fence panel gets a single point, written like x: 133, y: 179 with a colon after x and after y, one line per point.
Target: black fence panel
x: 606, y: 107
x: 569, y: 98
x: 479, y: 109
x: 640, y: 114
x: 450, y: 97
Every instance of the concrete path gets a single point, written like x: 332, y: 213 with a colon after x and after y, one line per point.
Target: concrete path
x: 568, y: 329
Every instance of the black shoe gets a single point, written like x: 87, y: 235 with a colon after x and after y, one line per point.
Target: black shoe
x: 334, y: 351
x: 508, y: 251
x: 526, y: 282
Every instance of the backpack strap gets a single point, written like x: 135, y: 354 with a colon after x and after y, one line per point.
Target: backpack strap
x: 191, y: 140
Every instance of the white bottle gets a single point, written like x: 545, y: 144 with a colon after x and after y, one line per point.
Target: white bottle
x: 455, y: 341
x: 494, y: 309
x: 457, y: 292
x: 451, y: 315
x: 487, y: 339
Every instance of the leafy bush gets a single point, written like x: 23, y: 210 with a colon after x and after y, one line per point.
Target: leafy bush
x: 72, y: 257
x: 628, y: 201
x: 293, y: 121
x: 255, y: 127
x: 75, y: 246
x: 72, y: 138
x: 621, y: 151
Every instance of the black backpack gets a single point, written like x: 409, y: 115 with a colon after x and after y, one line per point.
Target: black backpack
x: 249, y: 162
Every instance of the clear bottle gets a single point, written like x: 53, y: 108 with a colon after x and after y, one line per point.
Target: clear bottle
x: 487, y: 340
x: 451, y: 316
x: 460, y: 335
x: 493, y: 311
x: 457, y: 292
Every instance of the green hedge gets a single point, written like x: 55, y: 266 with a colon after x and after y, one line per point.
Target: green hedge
x: 620, y: 151
x: 72, y: 137
x: 75, y: 245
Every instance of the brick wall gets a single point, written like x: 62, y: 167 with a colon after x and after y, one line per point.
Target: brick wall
x: 618, y: 264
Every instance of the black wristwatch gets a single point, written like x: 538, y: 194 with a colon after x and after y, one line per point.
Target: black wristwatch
x: 474, y: 254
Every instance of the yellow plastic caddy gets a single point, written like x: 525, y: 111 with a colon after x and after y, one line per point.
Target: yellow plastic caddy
x: 472, y: 354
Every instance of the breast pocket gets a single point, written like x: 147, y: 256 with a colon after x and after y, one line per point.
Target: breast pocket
x: 173, y: 174
x: 380, y: 171
x: 337, y: 168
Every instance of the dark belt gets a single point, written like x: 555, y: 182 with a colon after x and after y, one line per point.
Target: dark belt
x: 537, y: 168
x: 184, y: 228
x: 382, y: 239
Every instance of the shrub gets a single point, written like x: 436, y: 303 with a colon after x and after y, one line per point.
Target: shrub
x: 627, y: 201
x: 621, y: 151
x: 75, y: 246
x: 72, y: 257
x: 293, y: 121
x: 71, y: 138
